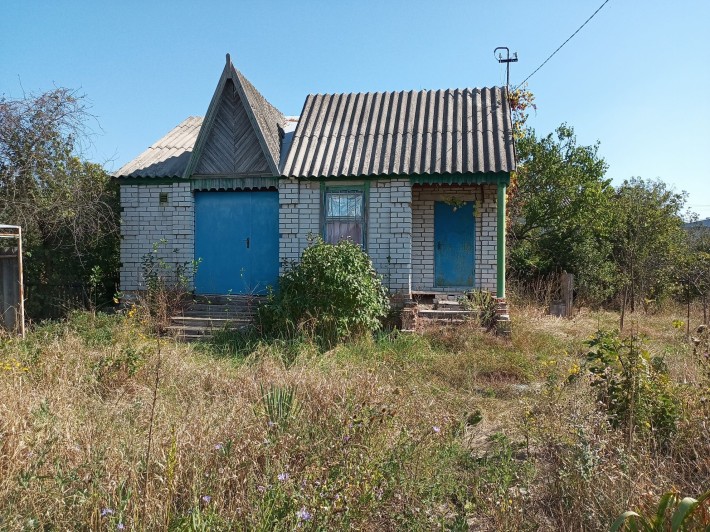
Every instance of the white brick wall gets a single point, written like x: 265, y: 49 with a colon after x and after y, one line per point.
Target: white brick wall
x: 389, y: 232
x: 299, y: 216
x: 144, y: 221
x: 388, y: 229
x: 423, y: 198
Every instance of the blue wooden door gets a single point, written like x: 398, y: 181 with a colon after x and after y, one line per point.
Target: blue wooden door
x: 454, y: 245
x: 236, y: 241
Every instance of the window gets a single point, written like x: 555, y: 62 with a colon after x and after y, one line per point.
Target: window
x: 163, y: 198
x: 344, y: 214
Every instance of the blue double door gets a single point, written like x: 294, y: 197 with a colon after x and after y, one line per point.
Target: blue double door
x: 454, y: 245
x: 236, y: 241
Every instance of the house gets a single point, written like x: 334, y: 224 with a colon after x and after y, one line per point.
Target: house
x: 417, y: 178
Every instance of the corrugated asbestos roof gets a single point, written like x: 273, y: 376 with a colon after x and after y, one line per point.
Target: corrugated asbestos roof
x: 167, y: 157
x: 403, y: 133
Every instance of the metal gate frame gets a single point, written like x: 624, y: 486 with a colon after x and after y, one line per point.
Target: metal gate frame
x: 14, y: 232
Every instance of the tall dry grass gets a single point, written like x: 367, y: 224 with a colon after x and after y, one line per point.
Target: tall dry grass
x: 452, y: 429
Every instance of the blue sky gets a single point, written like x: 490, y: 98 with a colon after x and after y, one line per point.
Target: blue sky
x: 635, y: 78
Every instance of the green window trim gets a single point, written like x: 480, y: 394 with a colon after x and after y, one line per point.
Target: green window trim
x: 356, y: 188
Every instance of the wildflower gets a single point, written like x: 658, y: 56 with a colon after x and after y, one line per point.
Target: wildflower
x: 283, y: 477
x: 304, y: 514
x: 261, y: 489
x: 218, y: 446
x: 120, y: 526
x: 106, y: 511
x: 436, y: 429
x: 206, y: 499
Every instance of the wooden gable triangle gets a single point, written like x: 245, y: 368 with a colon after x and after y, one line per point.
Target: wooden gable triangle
x: 241, y: 133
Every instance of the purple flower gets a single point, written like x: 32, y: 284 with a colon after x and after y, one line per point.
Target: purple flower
x: 283, y: 477
x: 106, y: 511
x: 206, y: 499
x: 218, y: 446
x: 436, y: 429
x: 304, y: 514
x: 261, y: 489
x: 120, y: 526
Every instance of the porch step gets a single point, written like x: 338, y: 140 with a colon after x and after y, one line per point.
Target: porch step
x: 447, y: 315
x: 210, y: 313
x: 446, y: 304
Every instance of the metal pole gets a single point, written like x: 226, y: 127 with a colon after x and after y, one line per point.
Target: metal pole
x: 21, y: 279
x: 507, y: 62
x: 500, y: 283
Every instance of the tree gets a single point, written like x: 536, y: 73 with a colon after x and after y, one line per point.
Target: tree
x: 68, y: 207
x: 559, y: 212
x: 692, y: 269
x: 647, y: 236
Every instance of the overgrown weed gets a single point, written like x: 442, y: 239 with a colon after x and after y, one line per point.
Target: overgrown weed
x: 454, y: 429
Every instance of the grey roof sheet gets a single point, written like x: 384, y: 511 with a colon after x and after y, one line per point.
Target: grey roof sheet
x: 167, y: 157
x: 403, y: 133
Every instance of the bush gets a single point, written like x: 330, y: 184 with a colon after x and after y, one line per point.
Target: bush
x: 333, y: 293
x: 633, y: 386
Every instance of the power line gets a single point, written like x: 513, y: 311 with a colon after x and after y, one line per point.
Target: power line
x: 561, y: 45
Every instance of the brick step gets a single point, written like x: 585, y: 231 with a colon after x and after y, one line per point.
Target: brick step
x: 209, y: 321
x: 207, y: 306
x: 218, y: 313
x: 423, y: 322
x: 218, y: 299
x: 447, y: 315
x: 194, y: 333
x: 448, y: 305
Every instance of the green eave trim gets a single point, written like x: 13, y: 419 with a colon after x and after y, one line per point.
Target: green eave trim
x: 494, y: 178
x: 149, y: 180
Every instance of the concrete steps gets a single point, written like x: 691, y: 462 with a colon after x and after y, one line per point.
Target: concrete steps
x: 445, y: 309
x: 208, y: 314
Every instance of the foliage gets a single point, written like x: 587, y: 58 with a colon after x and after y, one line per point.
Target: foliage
x: 559, y: 213
x: 167, y: 285
x: 449, y: 430
x: 647, y: 238
x: 633, y: 387
x: 483, y: 302
x: 67, y: 207
x: 332, y: 292
x: 520, y: 100
x: 672, y: 513
x: 279, y: 404
x: 692, y: 268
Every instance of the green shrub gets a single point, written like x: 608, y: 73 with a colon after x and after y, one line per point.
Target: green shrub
x: 633, y: 386
x: 333, y: 293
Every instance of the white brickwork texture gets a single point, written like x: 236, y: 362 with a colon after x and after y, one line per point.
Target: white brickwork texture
x: 423, y: 198
x: 388, y: 232
x: 144, y: 221
x: 400, y: 228
x: 299, y: 216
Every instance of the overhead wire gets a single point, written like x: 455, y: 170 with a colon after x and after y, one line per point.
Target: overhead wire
x: 561, y: 45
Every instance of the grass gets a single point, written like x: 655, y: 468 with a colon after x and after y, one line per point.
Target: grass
x: 452, y: 429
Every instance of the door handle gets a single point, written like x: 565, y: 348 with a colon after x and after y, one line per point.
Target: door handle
x: 247, y: 242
